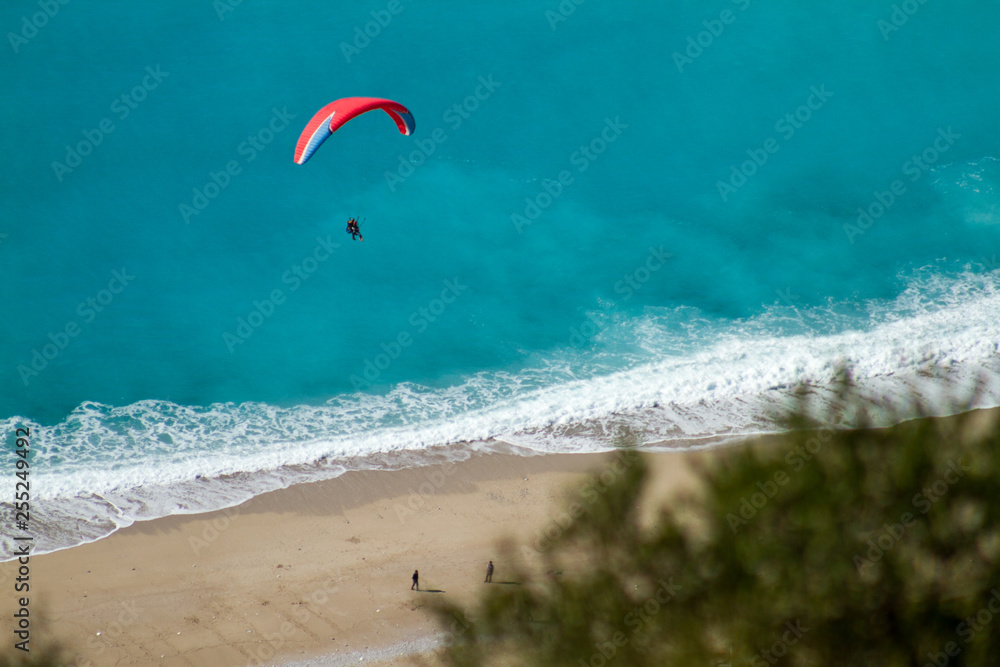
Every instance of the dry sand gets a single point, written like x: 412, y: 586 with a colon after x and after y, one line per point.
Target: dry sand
x: 319, y: 573
x: 318, y: 569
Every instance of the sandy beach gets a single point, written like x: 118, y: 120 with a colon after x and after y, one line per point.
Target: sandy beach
x: 254, y: 245
x: 320, y: 573
x: 321, y: 569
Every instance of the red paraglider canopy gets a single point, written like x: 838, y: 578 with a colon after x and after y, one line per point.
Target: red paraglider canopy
x: 330, y: 118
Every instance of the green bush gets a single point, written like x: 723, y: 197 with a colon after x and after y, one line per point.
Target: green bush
x: 37, y: 656
x: 850, y: 547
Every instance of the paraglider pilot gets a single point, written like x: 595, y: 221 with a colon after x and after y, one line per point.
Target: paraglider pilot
x: 354, y: 230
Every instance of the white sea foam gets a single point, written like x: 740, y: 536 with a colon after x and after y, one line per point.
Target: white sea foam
x: 973, y: 188
x: 668, y: 375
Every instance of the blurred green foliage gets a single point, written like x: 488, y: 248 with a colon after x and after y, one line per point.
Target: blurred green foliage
x: 47, y: 655
x: 870, y: 546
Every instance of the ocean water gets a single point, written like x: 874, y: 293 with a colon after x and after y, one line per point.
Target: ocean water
x: 661, y: 216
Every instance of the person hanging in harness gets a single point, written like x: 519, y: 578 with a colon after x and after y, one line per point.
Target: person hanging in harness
x: 354, y: 230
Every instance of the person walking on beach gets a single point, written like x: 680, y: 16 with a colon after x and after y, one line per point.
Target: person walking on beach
x: 416, y: 580
x: 489, y: 573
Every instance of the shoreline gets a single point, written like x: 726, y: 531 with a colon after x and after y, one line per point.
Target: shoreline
x: 248, y: 486
x: 312, y: 571
x: 319, y: 573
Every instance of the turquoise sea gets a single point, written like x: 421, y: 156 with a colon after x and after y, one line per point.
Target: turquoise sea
x: 612, y: 213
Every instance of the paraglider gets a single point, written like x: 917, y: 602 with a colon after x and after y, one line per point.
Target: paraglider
x: 354, y: 230
x: 330, y: 118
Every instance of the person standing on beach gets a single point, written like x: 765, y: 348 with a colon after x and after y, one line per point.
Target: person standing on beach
x: 489, y: 573
x: 416, y: 580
